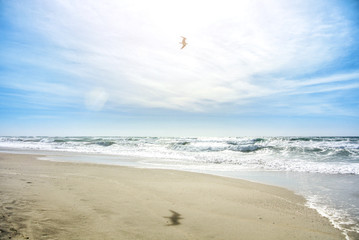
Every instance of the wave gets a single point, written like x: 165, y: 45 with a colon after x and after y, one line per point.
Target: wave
x: 332, y: 155
x: 105, y: 143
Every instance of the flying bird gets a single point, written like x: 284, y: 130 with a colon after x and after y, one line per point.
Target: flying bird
x: 183, y: 42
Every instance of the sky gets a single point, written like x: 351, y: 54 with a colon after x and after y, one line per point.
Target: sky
x: 116, y: 67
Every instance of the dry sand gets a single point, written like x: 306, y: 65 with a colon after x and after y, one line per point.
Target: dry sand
x: 53, y: 200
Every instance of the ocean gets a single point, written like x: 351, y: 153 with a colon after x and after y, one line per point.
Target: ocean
x: 325, y: 170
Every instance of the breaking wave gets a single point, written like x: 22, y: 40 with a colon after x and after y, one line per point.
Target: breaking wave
x: 332, y: 155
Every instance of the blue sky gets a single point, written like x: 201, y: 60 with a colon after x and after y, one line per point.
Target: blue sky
x: 250, y: 68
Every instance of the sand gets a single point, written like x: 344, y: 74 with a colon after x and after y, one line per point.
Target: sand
x: 53, y: 200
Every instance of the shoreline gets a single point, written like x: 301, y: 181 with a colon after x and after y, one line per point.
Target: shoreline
x: 58, y: 200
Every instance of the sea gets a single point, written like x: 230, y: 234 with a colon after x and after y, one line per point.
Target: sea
x: 325, y: 170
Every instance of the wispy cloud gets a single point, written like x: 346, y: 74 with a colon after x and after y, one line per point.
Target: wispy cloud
x: 127, y: 53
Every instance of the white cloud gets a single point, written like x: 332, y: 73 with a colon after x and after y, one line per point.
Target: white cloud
x: 96, y: 99
x: 130, y: 49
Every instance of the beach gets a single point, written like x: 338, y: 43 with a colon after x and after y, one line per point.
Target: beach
x: 57, y: 200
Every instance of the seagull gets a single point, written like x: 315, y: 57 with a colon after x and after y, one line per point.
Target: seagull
x: 183, y: 42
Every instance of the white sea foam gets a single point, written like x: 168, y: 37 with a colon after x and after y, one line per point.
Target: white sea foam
x: 340, y: 218
x: 317, y: 155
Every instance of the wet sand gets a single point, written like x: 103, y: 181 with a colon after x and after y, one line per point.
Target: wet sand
x: 53, y: 200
